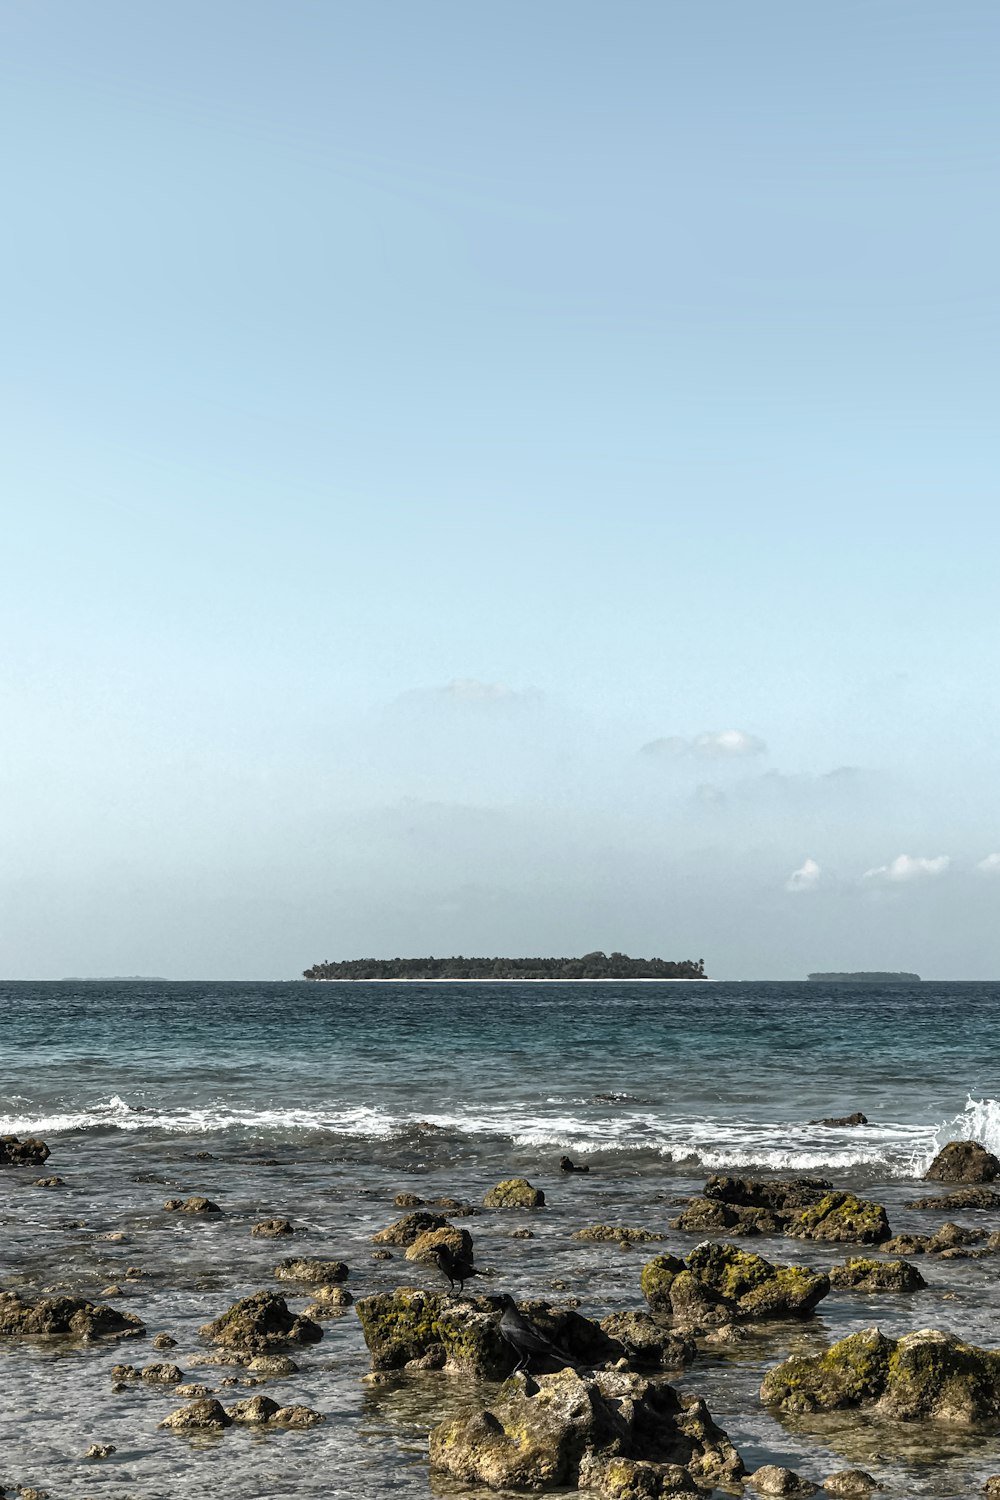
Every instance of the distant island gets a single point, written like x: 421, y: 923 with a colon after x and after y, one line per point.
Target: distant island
x: 862, y: 976
x: 595, y: 965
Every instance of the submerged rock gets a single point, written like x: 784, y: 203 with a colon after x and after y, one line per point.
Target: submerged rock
x: 323, y: 1272
x: 964, y: 1198
x: 864, y: 1275
x: 206, y: 1415
x: 963, y: 1161
x: 191, y: 1206
x: 272, y: 1229
x: 925, y: 1375
x: 566, y: 1164
x: 566, y: 1430
x: 723, y: 1284
x: 26, y: 1153
x: 840, y: 1217
x: 616, y: 1233
x: 260, y: 1323
x: 514, y: 1192
x: 67, y: 1317
x: 842, y: 1121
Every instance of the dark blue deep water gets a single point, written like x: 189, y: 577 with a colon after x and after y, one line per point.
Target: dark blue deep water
x: 322, y: 1102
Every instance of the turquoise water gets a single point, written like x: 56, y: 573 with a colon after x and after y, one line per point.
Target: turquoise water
x: 323, y: 1101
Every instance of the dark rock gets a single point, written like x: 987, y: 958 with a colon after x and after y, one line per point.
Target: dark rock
x: 206, y: 1415
x: 712, y: 1216
x: 723, y: 1284
x: 68, y: 1317
x: 963, y: 1161
x: 563, y: 1430
x: 861, y: 1275
x: 922, y: 1376
x: 566, y: 1165
x: 780, y: 1195
x: 192, y: 1206
x: 321, y: 1272
x: 260, y: 1323
x: 272, y: 1229
x: 906, y: 1244
x: 409, y: 1228
x: 408, y: 1200
x: 954, y: 1237
x: 514, y: 1192
x: 964, y: 1198
x: 646, y: 1342
x: 840, y: 1121
x: 26, y: 1153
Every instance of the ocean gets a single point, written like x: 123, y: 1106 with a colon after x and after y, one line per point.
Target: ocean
x: 320, y: 1102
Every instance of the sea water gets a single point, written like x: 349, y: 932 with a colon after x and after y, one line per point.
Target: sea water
x: 320, y: 1102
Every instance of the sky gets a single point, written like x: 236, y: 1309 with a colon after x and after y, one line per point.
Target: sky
x: 508, y: 479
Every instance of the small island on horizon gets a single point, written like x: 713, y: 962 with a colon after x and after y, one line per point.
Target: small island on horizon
x: 596, y: 965
x: 864, y: 976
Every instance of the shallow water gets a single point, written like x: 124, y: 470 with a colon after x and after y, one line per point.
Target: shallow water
x: 358, y: 1092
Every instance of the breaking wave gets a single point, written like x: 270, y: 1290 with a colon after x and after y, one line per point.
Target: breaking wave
x: 888, y: 1148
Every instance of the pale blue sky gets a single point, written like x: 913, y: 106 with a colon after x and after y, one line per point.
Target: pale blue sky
x: 638, y: 359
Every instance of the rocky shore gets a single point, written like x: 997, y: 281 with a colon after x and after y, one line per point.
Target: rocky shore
x: 644, y: 1333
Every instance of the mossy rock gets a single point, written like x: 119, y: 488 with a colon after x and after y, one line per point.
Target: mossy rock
x: 963, y: 1161
x: 616, y: 1234
x: 841, y: 1217
x: 407, y: 1324
x: 409, y: 1228
x: 867, y: 1275
x: 922, y: 1376
x: 260, y: 1323
x: 514, y: 1192
x: 637, y: 1479
x: 724, y: 1284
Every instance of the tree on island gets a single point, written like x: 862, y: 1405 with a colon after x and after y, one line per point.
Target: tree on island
x: 596, y: 965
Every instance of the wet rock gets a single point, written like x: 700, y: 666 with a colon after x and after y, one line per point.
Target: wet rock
x: 69, y: 1317
x: 323, y: 1272
x: 192, y: 1391
x: 261, y: 1323
x: 272, y: 1229
x: 839, y: 1122
x: 161, y: 1374
x: 407, y: 1200
x: 272, y: 1364
x: 963, y: 1161
x: 207, y: 1415
x: 953, y: 1237
x: 403, y: 1325
x: 861, y: 1275
x: 922, y: 1376
x: 712, y: 1216
x: 723, y: 1284
x: 567, y: 1165
x: 774, y: 1480
x: 841, y: 1217
x: 616, y: 1233
x: 906, y: 1244
x: 457, y: 1242
x: 646, y: 1342
x: 992, y: 1485
x: 191, y: 1206
x: 100, y: 1450
x: 564, y: 1430
x: 409, y: 1228
x: 522, y: 1234
x: 114, y: 1290
x: 254, y: 1412
x: 297, y: 1418
x: 382, y: 1255
x: 851, y: 1482
x: 514, y: 1192
x: 636, y: 1479
x: 964, y: 1198
x: 328, y: 1302
x: 54, y: 1182
x: 164, y: 1341
x: 781, y: 1195
x: 26, y: 1153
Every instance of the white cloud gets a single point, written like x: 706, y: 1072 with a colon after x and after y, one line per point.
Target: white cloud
x: 990, y: 865
x: 907, y: 867
x: 714, y: 744
x: 805, y: 878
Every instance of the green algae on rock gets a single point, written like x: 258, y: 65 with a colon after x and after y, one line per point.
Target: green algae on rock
x: 408, y: 1324
x: 860, y: 1274
x: 514, y: 1192
x: 565, y: 1430
x: 616, y: 1233
x: 724, y: 1284
x: 923, y: 1376
x: 841, y: 1217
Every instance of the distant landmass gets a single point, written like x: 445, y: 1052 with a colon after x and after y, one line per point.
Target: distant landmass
x: 864, y: 976
x: 595, y: 965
